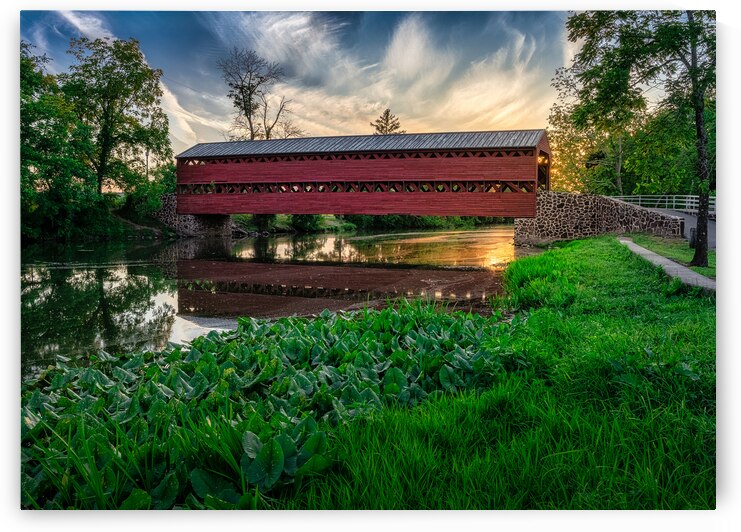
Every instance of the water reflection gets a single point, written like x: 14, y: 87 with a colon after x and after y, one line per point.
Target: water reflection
x: 487, y: 248
x: 79, y: 299
x: 229, y: 288
x: 76, y: 310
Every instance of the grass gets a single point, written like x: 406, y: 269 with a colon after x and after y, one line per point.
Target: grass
x: 676, y: 249
x: 518, y: 446
x: 608, y: 403
x: 598, y: 392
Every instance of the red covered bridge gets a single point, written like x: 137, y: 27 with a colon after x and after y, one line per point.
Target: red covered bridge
x: 488, y: 173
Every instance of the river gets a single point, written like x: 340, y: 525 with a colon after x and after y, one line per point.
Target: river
x: 76, y: 300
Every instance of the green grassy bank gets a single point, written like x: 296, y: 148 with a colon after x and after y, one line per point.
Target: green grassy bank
x: 592, y: 387
x: 676, y: 249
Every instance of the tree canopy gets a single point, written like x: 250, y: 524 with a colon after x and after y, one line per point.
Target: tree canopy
x: 117, y: 96
x: 101, y: 125
x: 56, y: 185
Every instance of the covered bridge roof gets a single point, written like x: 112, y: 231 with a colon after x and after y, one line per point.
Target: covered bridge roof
x: 526, y: 138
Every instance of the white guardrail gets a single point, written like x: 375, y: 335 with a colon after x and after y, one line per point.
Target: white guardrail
x: 688, y: 204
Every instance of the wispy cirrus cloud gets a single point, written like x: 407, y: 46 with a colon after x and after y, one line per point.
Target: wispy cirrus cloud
x: 413, y: 64
x: 89, y: 25
x: 186, y: 127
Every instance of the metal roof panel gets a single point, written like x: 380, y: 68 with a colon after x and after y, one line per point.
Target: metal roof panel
x: 369, y: 143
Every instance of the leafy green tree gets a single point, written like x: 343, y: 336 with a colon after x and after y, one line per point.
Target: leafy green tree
x: 663, y: 154
x: 626, y: 53
x: 146, y: 198
x: 386, y: 124
x: 117, y: 96
x: 56, y: 187
x: 589, y: 151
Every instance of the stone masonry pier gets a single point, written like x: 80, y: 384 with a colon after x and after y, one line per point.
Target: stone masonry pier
x: 566, y: 216
x: 211, y: 225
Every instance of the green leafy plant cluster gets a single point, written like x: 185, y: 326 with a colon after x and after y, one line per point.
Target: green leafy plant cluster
x: 237, y: 414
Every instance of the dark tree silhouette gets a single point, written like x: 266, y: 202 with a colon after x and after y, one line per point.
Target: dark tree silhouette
x: 251, y: 80
x: 386, y: 124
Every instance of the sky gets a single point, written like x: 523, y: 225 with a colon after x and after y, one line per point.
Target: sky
x: 437, y: 71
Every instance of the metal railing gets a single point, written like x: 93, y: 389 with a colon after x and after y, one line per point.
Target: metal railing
x: 688, y: 204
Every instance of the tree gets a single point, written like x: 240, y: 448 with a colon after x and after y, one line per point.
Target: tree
x: 117, y: 96
x: 386, y: 124
x: 56, y: 187
x: 572, y: 146
x: 286, y: 129
x: 626, y: 53
x: 259, y: 114
x: 589, y: 147
x: 663, y: 152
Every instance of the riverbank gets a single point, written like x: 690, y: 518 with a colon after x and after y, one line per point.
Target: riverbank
x: 592, y: 385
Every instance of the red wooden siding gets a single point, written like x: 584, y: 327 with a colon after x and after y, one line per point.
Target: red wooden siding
x: 520, y: 168
x: 494, y: 182
x: 418, y: 203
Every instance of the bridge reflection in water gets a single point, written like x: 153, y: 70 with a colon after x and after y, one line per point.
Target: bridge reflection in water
x: 76, y: 300
x: 222, y: 289
x: 302, y: 275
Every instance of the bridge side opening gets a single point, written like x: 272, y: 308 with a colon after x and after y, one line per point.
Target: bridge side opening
x: 544, y: 171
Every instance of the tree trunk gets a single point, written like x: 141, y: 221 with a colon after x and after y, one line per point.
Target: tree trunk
x: 246, y: 109
x: 105, y: 141
x: 102, y: 170
x: 698, y: 103
x: 619, y: 166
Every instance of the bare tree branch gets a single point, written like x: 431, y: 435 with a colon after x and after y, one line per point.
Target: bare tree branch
x: 248, y: 77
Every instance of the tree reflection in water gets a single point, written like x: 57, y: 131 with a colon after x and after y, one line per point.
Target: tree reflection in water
x: 73, y: 310
x: 483, y: 248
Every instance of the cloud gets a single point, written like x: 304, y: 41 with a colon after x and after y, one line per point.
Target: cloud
x: 186, y: 127
x: 506, y: 89
x: 305, y: 44
x: 87, y: 24
x: 412, y: 60
x: 334, y: 92
x: 320, y: 112
x: 338, y: 84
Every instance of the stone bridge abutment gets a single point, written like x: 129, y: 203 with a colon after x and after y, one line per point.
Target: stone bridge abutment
x: 567, y: 216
